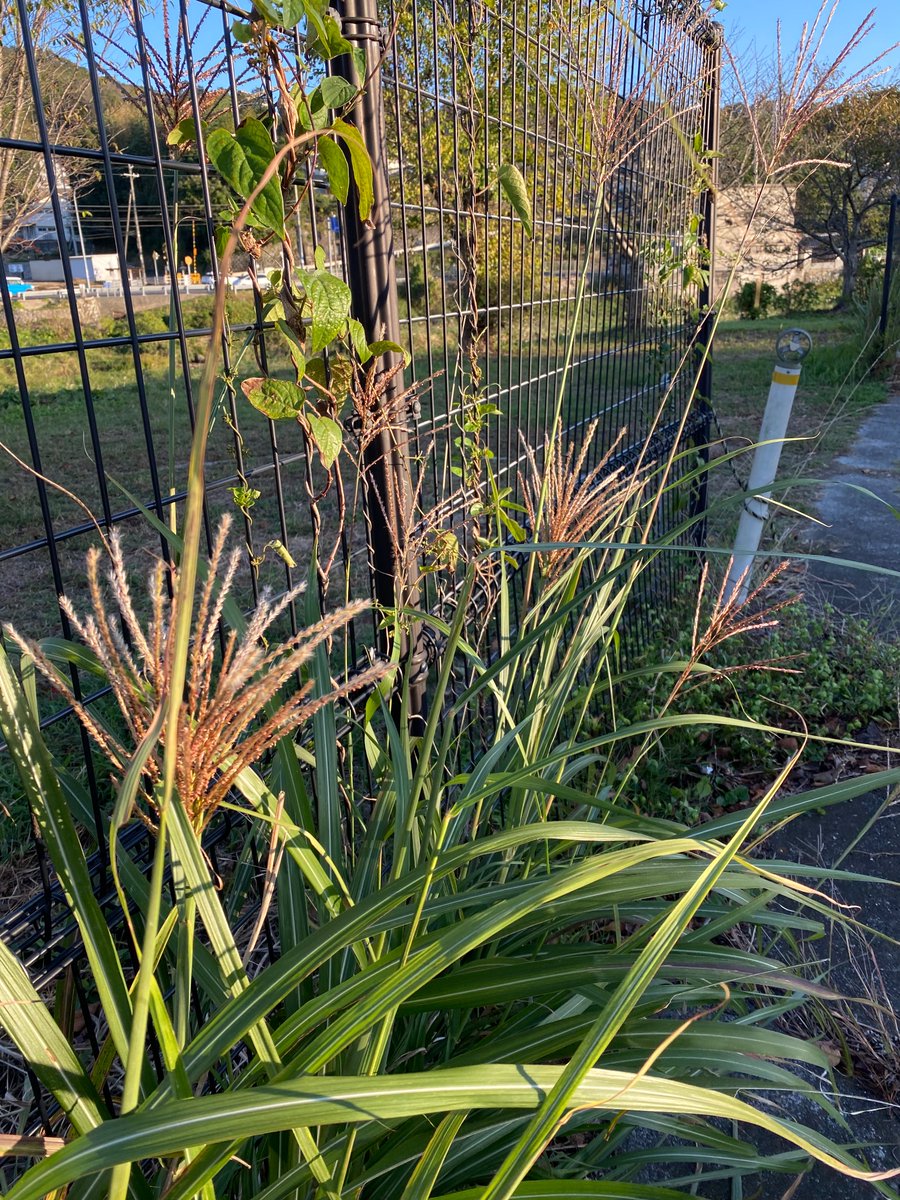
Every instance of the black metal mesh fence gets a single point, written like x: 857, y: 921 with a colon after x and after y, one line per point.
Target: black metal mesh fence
x: 575, y: 330
x: 582, y: 328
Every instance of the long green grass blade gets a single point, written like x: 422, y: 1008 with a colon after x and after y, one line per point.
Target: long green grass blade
x: 44, y: 1047
x: 421, y: 1183
x: 542, y: 1126
x: 36, y: 771
x: 577, y: 1189
x: 313, y: 1101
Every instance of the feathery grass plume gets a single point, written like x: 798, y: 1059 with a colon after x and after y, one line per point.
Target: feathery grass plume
x: 236, y: 706
x: 184, y: 64
x: 731, y: 616
x: 576, y: 503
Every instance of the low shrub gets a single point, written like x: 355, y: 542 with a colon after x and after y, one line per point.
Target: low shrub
x: 52, y: 317
x: 147, y: 322
x: 240, y: 309
x: 878, y: 351
x: 870, y: 269
x: 196, y: 311
x: 805, y: 296
x: 755, y: 301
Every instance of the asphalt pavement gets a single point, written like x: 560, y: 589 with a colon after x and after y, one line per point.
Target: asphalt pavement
x: 856, y: 509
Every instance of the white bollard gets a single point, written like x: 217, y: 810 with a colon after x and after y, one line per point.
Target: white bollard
x: 791, y: 348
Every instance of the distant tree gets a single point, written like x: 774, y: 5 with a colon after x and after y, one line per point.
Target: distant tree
x: 848, y: 163
x: 740, y: 161
x: 67, y: 107
x: 176, y: 60
x: 167, y: 60
x: 844, y: 208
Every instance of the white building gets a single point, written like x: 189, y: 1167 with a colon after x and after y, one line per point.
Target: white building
x: 94, y: 269
x: 40, y: 228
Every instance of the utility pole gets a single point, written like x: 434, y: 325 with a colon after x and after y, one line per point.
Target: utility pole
x: 195, y: 272
x: 84, y: 261
x: 127, y: 234
x: 132, y: 176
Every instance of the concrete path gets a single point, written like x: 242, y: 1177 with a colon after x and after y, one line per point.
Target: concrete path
x: 859, y: 528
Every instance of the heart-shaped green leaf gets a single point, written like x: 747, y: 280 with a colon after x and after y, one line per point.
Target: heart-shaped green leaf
x: 241, y: 32
x: 275, y: 398
x: 341, y: 370
x: 328, y: 437
x: 336, y: 91
x: 361, y: 164
x: 376, y: 348
x: 328, y: 299
x: 242, y: 159
x: 358, y: 340
x: 336, y: 168
x: 184, y: 131
x: 295, y: 347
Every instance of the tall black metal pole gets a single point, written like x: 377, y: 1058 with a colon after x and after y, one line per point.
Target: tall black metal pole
x: 711, y: 44
x: 371, y: 261
x: 712, y: 37
x: 888, y: 267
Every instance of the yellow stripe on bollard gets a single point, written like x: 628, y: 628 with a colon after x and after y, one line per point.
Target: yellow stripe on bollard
x: 783, y: 377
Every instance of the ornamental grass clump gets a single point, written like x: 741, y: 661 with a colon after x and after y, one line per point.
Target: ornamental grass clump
x: 566, y: 503
x: 488, y: 972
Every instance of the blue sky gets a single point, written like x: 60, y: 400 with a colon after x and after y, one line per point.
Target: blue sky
x: 750, y: 22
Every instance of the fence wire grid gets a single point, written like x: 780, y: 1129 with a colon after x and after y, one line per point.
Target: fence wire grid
x: 588, y: 319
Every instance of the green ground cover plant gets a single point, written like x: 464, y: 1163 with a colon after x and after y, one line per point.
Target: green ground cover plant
x: 814, y: 668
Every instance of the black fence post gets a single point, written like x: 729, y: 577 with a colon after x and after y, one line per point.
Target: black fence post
x: 712, y: 37
x: 372, y: 273
x: 888, y: 268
